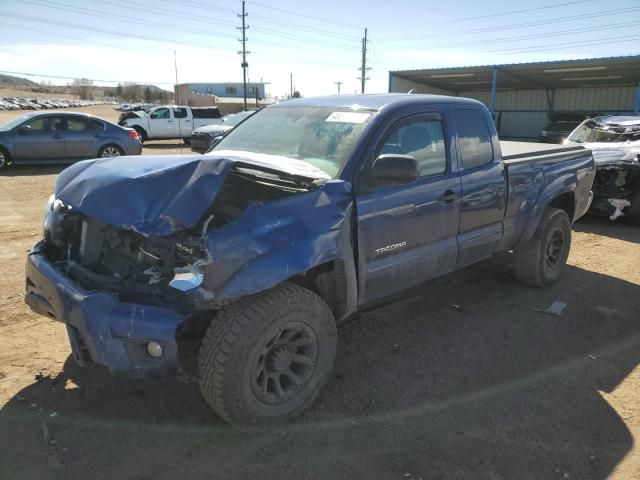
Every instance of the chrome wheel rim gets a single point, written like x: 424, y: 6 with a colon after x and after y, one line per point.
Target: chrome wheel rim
x: 110, y: 152
x: 3, y: 160
x: 285, y: 364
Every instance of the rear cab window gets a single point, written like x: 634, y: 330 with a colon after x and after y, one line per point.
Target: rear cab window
x: 474, y: 138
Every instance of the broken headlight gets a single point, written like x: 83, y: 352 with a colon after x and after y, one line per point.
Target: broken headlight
x: 52, y: 224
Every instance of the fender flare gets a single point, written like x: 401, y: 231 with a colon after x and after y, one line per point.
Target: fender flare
x: 545, y: 199
x: 287, y: 261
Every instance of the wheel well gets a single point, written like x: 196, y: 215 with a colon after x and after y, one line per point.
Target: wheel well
x: 6, y: 153
x: 141, y: 131
x: 328, y: 281
x: 565, y: 202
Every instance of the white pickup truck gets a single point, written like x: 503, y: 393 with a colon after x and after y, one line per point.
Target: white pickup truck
x: 172, y: 121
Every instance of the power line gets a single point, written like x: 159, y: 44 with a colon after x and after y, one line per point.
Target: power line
x: 90, y: 79
x: 501, y: 14
x: 102, y: 30
x: 595, y: 41
x: 92, y: 12
x: 290, y: 12
x: 22, y: 27
x: 536, y: 35
x: 173, y: 26
x: 520, y: 25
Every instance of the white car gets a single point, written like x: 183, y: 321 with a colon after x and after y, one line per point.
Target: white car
x: 173, y: 122
x: 615, y: 143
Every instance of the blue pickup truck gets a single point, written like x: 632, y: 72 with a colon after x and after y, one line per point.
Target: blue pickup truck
x: 235, y: 267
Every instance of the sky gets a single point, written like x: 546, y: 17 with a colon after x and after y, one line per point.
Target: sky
x: 319, y: 43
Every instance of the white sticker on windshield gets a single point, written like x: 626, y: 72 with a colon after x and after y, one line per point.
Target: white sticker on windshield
x: 348, y: 117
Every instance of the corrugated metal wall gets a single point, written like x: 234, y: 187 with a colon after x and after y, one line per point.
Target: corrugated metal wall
x: 523, y: 113
x: 401, y: 85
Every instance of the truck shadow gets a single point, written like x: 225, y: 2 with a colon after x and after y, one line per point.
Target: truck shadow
x: 461, y: 378
x: 608, y: 228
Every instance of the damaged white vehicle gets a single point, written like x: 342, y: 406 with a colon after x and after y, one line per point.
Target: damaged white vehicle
x: 615, y: 143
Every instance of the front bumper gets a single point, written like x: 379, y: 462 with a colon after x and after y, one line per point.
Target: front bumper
x: 200, y: 143
x: 102, y: 328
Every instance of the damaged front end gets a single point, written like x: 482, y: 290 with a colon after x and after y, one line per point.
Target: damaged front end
x: 130, y: 257
x: 616, y: 186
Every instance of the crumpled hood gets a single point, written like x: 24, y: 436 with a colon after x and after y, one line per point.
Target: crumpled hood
x: 158, y: 195
x: 622, y: 152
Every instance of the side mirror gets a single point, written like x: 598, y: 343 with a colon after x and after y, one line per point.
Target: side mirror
x: 393, y: 169
x: 24, y: 129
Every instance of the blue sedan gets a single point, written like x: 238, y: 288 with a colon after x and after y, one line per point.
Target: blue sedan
x: 62, y: 138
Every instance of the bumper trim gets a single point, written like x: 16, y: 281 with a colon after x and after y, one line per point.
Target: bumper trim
x: 103, y: 328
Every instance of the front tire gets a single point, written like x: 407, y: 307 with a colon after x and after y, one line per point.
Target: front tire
x: 542, y: 260
x: 265, y: 358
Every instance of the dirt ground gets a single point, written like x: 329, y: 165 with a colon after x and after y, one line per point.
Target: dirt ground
x: 461, y: 378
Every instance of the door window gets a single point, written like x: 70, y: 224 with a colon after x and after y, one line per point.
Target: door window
x: 180, y: 112
x: 161, y: 113
x: 45, y: 124
x: 474, y: 138
x: 420, y: 139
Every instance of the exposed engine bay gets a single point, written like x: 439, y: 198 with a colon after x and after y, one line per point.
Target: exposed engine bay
x: 155, y: 269
x: 615, y: 187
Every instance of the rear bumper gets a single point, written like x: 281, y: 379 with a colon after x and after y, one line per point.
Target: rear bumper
x: 134, y: 147
x: 102, y: 328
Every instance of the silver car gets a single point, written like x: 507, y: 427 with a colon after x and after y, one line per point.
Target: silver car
x: 57, y: 137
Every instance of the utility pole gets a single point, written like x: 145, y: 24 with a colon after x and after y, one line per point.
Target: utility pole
x: 363, y: 68
x: 291, y: 85
x: 244, y: 52
x: 338, y: 84
x: 175, y: 65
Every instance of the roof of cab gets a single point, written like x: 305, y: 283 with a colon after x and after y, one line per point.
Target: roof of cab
x: 374, y: 102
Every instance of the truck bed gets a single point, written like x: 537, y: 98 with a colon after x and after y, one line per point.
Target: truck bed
x: 520, y: 152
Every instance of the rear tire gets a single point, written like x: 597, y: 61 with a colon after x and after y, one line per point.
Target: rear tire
x: 110, y: 150
x: 5, y: 159
x: 541, y: 261
x: 265, y: 358
x: 632, y: 214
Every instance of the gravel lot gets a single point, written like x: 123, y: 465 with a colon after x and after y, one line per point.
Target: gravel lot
x: 460, y: 378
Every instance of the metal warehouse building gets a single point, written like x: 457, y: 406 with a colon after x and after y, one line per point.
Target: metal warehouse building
x: 520, y: 95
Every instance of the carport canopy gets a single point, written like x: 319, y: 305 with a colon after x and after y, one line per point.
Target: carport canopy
x: 594, y: 72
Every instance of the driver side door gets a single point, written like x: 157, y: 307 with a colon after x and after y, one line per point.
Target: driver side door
x: 407, y: 233
x: 162, y: 124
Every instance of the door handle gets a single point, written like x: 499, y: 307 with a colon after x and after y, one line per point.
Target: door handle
x: 169, y: 121
x: 188, y: 121
x: 57, y: 136
x: 448, y: 196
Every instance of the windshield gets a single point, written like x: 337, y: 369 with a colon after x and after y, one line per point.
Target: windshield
x: 235, y: 118
x: 320, y: 136
x: 590, y: 132
x: 11, y: 124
